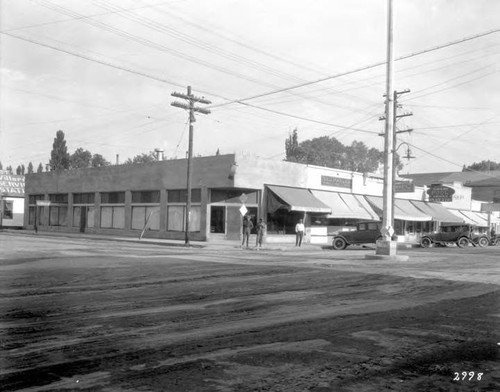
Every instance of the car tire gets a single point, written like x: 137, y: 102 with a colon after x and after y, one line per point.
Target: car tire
x: 483, y: 241
x: 463, y: 242
x: 339, y: 243
x: 425, y: 242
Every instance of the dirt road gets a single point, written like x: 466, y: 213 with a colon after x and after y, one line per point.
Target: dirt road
x: 90, y: 315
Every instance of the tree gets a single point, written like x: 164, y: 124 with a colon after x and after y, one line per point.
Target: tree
x: 329, y: 152
x: 40, y: 168
x: 9, y: 169
x: 142, y: 158
x: 18, y: 170
x: 1, y: 166
x: 98, y: 161
x: 292, y: 147
x: 30, y: 168
x: 59, y: 156
x: 80, y: 159
x: 482, y: 166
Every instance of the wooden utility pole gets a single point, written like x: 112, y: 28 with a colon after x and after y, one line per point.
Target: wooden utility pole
x: 191, y: 100
x: 394, y: 145
x: 385, y: 247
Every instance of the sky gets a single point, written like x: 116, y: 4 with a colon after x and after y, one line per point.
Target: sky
x: 103, y: 71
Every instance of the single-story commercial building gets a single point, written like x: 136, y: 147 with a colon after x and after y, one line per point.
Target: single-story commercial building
x: 11, y: 200
x: 151, y: 198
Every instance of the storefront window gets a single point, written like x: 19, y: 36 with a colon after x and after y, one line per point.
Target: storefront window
x: 113, y: 217
x: 180, y: 196
x: 175, y: 218
x: 58, y: 215
x: 83, y: 198
x: 143, y: 214
x: 283, y: 222
x: 145, y: 197
x: 8, y: 212
x: 113, y: 198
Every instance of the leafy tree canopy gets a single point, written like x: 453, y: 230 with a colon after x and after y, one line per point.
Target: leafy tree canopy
x: 142, y: 158
x: 80, y: 159
x: 482, y: 166
x: 40, y: 168
x: 98, y: 161
x: 329, y: 152
x: 59, y: 156
x: 30, y: 168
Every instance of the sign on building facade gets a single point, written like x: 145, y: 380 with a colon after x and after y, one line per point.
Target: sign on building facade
x: 11, y: 185
x: 336, y: 181
x: 440, y: 193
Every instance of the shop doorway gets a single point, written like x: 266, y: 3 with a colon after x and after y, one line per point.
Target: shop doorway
x: 83, y: 218
x: 218, y: 219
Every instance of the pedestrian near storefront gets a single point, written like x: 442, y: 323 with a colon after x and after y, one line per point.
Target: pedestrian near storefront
x: 299, y: 233
x: 247, y: 229
x: 261, y: 229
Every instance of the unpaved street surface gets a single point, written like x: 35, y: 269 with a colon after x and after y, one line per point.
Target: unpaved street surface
x: 89, y: 315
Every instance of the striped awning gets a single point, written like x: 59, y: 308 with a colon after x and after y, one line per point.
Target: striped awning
x: 472, y: 217
x: 295, y: 199
x: 403, y: 209
x: 437, y: 211
x: 346, y: 205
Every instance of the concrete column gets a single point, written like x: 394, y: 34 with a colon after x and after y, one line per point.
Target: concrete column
x: 204, y: 221
x: 69, y: 219
x: 163, y: 211
x: 128, y: 210
x: 97, y: 211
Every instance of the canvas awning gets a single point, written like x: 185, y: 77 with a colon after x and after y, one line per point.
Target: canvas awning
x: 472, y: 217
x: 346, y: 205
x: 436, y: 211
x: 295, y: 199
x: 403, y: 209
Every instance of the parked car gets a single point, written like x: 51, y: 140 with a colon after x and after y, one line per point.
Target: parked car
x: 460, y: 234
x: 364, y: 233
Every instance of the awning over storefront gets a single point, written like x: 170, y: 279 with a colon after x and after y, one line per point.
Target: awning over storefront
x: 436, y: 211
x: 472, y: 217
x: 295, y: 199
x: 403, y: 209
x: 346, y: 205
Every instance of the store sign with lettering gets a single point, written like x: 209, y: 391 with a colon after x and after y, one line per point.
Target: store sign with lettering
x: 338, y: 182
x: 11, y: 185
x: 404, y: 187
x: 440, y: 193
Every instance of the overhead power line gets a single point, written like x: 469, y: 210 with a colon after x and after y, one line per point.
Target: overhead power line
x: 361, y: 68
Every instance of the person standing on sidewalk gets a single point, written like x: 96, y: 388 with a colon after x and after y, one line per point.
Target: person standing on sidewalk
x: 247, y: 229
x: 299, y: 233
x: 261, y: 228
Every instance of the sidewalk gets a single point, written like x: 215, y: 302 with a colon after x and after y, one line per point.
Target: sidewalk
x: 215, y: 244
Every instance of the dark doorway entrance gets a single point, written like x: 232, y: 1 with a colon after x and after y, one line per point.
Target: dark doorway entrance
x: 83, y: 218
x: 218, y: 219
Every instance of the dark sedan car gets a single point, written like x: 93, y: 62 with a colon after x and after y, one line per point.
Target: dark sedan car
x: 460, y: 234
x: 364, y: 233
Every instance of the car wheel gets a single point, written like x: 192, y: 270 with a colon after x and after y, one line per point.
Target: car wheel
x: 463, y: 242
x: 425, y: 242
x: 339, y: 243
x: 483, y: 241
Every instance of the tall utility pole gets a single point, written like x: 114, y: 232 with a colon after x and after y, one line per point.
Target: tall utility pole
x: 386, y: 246
x: 394, y: 146
x: 191, y: 100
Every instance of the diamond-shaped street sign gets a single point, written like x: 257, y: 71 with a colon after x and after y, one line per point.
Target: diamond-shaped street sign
x: 243, y: 198
x: 389, y: 231
x: 243, y: 210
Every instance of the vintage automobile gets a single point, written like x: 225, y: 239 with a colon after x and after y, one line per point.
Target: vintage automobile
x: 364, y: 233
x: 460, y: 234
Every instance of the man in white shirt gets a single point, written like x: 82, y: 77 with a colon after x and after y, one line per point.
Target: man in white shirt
x: 299, y: 233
